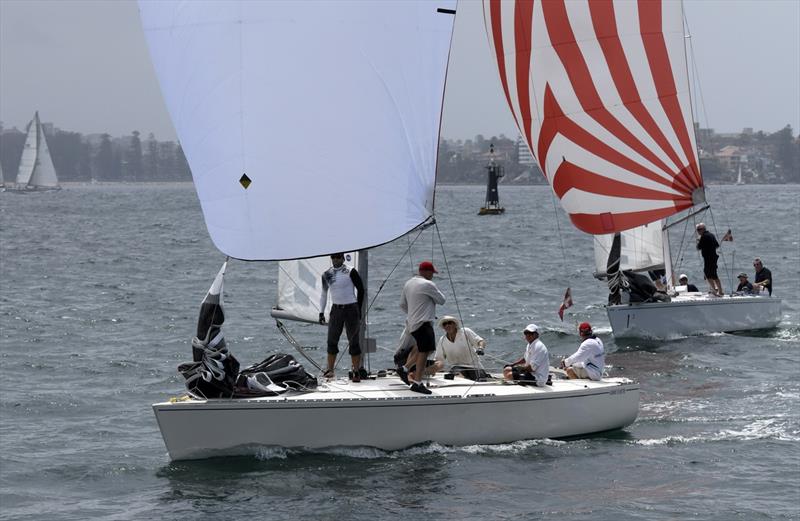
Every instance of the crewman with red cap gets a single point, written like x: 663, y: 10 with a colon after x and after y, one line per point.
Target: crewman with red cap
x: 419, y: 299
x: 590, y: 358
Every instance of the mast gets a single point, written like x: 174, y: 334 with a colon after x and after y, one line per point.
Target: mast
x: 667, y: 256
x: 368, y: 345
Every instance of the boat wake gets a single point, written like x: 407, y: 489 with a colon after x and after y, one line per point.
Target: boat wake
x: 777, y: 429
x: 517, y: 447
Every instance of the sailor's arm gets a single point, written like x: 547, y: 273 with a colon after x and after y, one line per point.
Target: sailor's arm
x: 323, y: 299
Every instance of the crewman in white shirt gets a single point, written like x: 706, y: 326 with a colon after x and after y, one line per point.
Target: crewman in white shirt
x: 590, y: 358
x: 534, y: 366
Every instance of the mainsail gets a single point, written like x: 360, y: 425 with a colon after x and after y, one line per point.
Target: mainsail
x: 300, y: 287
x: 641, y: 249
x: 299, y: 147
x: 600, y: 92
x: 36, y: 168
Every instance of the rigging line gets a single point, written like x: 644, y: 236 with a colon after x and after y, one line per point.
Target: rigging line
x: 472, y: 353
x: 724, y: 263
x: 680, y: 248
x: 699, y: 90
x: 558, y: 228
x: 386, y: 279
x: 294, y: 343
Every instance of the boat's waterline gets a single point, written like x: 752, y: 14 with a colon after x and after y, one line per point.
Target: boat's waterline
x: 383, y: 413
x: 694, y: 315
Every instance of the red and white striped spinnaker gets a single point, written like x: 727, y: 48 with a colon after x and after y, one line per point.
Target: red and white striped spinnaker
x: 599, y: 90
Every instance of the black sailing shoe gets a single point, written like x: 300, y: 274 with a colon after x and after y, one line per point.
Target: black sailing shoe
x: 420, y: 388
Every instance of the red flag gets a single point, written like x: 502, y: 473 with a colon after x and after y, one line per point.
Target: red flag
x: 566, y: 304
x: 728, y: 236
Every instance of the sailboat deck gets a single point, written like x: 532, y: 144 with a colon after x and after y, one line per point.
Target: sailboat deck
x: 392, y: 389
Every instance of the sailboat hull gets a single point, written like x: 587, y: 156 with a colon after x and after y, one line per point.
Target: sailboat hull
x: 383, y: 413
x: 694, y: 315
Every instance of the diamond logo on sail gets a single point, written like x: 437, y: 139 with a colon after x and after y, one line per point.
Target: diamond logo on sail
x: 245, y: 181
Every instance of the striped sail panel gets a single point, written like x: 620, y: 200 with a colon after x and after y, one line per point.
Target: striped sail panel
x: 599, y: 90
x: 328, y: 112
x: 300, y: 287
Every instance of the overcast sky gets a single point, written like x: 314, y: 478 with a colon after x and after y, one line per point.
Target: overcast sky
x: 84, y: 66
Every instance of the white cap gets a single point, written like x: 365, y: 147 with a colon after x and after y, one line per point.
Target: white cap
x: 531, y: 328
x: 683, y: 276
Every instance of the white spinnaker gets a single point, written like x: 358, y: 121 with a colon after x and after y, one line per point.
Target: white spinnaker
x: 27, y: 162
x: 300, y: 287
x: 640, y: 249
x: 331, y: 109
x: 44, y: 174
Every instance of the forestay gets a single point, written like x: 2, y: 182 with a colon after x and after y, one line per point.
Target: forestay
x: 599, y: 91
x: 310, y: 127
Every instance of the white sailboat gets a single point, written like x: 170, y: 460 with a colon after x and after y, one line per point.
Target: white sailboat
x: 36, y: 171
x: 739, y: 175
x: 334, y: 107
x: 600, y: 93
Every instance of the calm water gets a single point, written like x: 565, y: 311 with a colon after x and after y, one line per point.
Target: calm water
x: 100, y: 291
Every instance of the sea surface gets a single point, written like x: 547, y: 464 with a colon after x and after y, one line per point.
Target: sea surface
x: 101, y: 286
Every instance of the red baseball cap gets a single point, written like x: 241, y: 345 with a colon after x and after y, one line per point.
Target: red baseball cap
x: 585, y: 326
x: 427, y: 266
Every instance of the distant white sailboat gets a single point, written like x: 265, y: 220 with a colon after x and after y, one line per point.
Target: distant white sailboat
x: 36, y: 171
x: 739, y: 178
x: 2, y: 179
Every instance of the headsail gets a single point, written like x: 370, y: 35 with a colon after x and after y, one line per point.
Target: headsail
x: 599, y: 90
x: 310, y: 127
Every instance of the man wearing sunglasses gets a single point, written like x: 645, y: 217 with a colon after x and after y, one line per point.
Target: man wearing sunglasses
x: 763, y: 276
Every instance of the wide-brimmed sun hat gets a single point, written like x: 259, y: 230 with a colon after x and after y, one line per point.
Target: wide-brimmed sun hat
x: 448, y: 318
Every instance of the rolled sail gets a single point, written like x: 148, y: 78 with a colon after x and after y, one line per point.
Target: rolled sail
x: 310, y: 127
x: 600, y: 92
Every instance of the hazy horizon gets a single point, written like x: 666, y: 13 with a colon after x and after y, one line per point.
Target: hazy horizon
x: 84, y: 66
